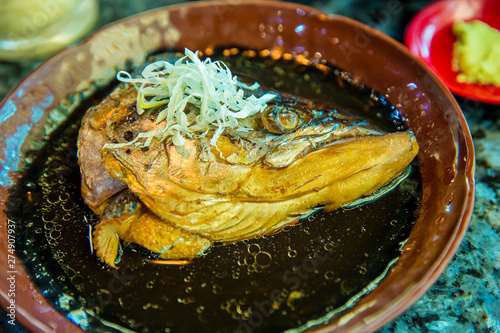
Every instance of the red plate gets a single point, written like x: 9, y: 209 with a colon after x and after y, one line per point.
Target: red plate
x: 429, y: 36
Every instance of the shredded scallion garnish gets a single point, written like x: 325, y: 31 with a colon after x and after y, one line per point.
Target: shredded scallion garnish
x: 207, y: 85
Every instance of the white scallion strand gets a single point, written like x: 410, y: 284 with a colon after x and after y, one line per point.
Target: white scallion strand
x: 208, y: 85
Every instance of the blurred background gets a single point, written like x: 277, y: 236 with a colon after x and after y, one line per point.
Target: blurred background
x: 375, y: 13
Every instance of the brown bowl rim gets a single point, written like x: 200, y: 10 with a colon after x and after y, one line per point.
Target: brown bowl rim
x: 36, y: 314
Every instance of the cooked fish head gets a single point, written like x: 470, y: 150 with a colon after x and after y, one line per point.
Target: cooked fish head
x: 296, y: 156
x: 249, y: 180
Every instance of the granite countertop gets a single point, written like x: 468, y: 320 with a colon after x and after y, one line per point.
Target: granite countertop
x: 466, y: 297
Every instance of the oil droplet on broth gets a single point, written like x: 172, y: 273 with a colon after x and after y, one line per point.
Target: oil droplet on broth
x: 49, y: 216
x: 77, y: 280
x: 329, y: 275
x: 55, y: 234
x: 249, y: 261
x: 68, y: 206
x: 64, y: 197
x: 263, y: 259
x: 126, y: 302
x: 347, y: 287
x: 104, y: 296
x: 329, y: 246
x: 53, y: 198
x: 253, y: 248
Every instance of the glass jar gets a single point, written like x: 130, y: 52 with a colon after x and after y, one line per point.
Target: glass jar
x: 31, y: 29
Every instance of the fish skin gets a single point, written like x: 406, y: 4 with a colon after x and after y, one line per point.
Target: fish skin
x: 273, y: 196
x: 249, y: 184
x: 127, y: 217
x: 97, y: 185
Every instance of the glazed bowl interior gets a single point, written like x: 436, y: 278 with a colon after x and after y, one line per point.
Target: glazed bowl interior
x: 446, y: 156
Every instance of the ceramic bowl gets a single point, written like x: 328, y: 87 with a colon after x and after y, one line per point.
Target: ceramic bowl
x: 446, y: 154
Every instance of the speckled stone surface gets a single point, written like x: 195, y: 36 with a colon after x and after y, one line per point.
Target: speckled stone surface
x: 466, y: 298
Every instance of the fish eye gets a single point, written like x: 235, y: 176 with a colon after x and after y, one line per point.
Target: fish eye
x: 279, y: 119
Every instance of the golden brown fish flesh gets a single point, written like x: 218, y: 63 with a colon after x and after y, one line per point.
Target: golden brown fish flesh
x: 178, y: 200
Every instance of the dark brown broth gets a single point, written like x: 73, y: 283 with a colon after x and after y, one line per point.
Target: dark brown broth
x: 269, y: 284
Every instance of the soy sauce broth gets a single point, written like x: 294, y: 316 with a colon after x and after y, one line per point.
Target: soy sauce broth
x: 271, y: 284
